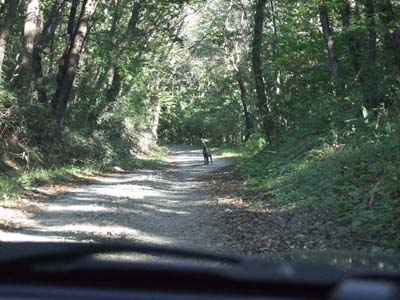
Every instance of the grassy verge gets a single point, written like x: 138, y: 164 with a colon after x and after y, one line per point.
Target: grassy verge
x: 355, y: 182
x: 230, y: 151
x: 14, y: 184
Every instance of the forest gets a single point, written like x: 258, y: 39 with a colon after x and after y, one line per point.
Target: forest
x: 304, y: 93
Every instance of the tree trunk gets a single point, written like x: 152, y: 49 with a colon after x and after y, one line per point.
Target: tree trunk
x: 274, y: 46
x: 372, y: 89
x: 391, y: 31
x: 47, y: 34
x: 354, y: 46
x: 262, y: 100
x: 24, y: 77
x: 64, y: 84
x: 156, y: 119
x: 116, y: 19
x: 62, y: 69
x: 247, y: 116
x: 116, y: 85
x: 353, y: 42
x: 72, y: 19
x: 11, y: 13
x: 332, y: 53
x: 37, y: 68
x: 133, y: 21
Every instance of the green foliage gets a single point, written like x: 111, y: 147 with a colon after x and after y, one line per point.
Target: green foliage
x: 7, y: 97
x: 106, y: 124
x: 14, y: 184
x: 171, y: 70
x: 352, y: 178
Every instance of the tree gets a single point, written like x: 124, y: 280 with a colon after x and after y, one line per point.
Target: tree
x: 193, y: 69
x: 353, y: 41
x: 24, y: 76
x: 372, y: 79
x: 332, y: 52
x: 10, y: 8
x: 123, y: 46
x: 237, y: 51
x: 42, y: 43
x: 262, y: 101
x: 391, y: 30
x: 243, y: 97
x: 78, y: 37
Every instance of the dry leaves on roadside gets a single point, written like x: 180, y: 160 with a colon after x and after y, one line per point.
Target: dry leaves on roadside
x: 261, y: 226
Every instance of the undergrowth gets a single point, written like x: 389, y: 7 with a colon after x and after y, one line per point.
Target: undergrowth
x: 352, y: 176
x: 14, y: 184
x: 33, y: 153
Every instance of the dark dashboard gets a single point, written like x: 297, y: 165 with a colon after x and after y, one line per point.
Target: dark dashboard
x: 74, y: 272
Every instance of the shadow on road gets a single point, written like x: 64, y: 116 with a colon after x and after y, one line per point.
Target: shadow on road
x: 169, y: 206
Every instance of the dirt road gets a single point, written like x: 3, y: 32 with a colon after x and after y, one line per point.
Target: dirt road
x: 171, y: 206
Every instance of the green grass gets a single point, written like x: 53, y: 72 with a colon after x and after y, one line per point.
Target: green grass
x: 159, y: 154
x: 356, y: 181
x: 13, y: 185
x: 229, y: 151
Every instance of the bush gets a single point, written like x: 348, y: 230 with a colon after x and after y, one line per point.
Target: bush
x: 353, y: 178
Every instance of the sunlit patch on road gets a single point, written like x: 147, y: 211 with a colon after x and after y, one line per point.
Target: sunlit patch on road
x: 167, y: 207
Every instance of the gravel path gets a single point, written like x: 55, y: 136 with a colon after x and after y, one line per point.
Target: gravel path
x: 171, y: 206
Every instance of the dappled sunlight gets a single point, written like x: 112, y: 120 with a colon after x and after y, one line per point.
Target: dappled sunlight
x: 125, y: 191
x: 302, y: 96
x: 77, y: 208
x: 91, y: 230
x: 23, y: 237
x: 166, y: 206
x: 165, y: 210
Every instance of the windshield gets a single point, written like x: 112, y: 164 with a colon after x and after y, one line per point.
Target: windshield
x: 249, y: 127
